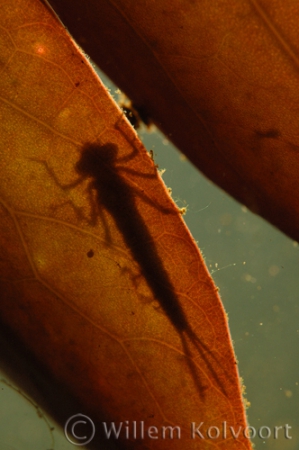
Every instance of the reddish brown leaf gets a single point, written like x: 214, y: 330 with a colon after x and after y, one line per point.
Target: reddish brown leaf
x: 220, y: 78
x: 99, y: 276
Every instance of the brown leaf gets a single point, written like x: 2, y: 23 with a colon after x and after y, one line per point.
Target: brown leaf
x: 219, y: 78
x: 99, y: 276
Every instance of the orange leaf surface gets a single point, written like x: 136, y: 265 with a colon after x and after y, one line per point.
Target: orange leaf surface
x: 219, y: 78
x: 99, y: 276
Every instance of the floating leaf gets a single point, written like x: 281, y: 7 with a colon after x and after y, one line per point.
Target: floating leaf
x: 99, y: 276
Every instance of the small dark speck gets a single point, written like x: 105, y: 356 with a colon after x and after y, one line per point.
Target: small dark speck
x: 143, y: 114
x: 77, y: 84
x: 132, y: 313
x: 90, y: 253
x: 270, y: 134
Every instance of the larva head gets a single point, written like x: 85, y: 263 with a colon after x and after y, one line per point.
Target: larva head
x: 95, y: 158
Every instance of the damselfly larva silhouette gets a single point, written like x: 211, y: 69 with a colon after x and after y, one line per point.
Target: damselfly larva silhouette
x: 109, y: 189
